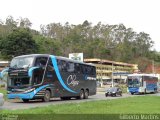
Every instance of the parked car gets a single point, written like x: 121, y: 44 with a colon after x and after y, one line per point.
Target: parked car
x: 1, y: 99
x: 113, y: 91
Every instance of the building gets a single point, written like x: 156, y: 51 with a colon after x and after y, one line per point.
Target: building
x: 107, y: 69
x: 3, y: 64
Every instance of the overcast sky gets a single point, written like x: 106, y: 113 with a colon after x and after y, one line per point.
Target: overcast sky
x: 141, y: 15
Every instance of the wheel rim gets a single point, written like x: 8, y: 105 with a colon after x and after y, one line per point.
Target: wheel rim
x: 47, y: 96
x: 86, y: 94
x: 82, y: 94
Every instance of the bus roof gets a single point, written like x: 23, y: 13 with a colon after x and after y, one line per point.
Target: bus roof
x: 75, y: 61
x: 32, y: 55
x: 59, y: 57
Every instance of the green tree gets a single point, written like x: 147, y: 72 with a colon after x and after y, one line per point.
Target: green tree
x: 47, y: 45
x: 24, y: 23
x: 18, y: 42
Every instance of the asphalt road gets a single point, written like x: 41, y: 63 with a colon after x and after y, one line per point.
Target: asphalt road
x: 18, y: 104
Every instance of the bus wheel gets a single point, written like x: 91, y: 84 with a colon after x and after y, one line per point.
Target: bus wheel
x: 81, y: 95
x: 86, y: 94
x: 25, y: 100
x: 132, y: 93
x: 155, y: 90
x: 47, y: 96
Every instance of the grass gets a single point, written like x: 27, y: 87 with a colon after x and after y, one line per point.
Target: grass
x: 93, y: 110
x: 131, y: 105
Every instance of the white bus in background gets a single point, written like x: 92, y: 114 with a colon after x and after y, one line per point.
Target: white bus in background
x: 142, y: 83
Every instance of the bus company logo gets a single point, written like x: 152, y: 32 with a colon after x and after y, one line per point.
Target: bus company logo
x: 71, y: 80
x: 91, y: 78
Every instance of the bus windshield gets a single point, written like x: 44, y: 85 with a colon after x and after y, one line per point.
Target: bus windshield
x: 19, y: 82
x: 134, y: 81
x: 22, y: 62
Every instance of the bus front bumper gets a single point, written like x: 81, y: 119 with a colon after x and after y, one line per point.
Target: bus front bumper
x: 20, y: 96
x: 133, y: 90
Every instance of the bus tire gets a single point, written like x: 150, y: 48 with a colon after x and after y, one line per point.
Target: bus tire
x: 86, y: 94
x: 155, y: 90
x: 47, y: 96
x: 81, y: 95
x: 25, y: 100
x: 132, y: 93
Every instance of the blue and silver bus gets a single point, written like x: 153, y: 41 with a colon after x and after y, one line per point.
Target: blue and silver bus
x: 43, y: 76
x: 142, y: 83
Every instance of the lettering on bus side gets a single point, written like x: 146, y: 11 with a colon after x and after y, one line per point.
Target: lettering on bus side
x: 71, y: 80
x: 91, y: 78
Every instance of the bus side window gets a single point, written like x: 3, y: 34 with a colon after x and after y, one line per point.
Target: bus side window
x: 93, y: 72
x: 70, y: 67
x: 50, y: 66
x: 77, y: 68
x: 59, y: 62
x: 88, y: 70
x: 82, y: 69
x: 41, y: 61
x: 62, y: 65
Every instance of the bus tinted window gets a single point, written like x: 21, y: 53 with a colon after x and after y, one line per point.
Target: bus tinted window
x: 50, y: 65
x: 41, y: 61
x: 70, y: 67
x: 62, y: 65
x: 93, y: 71
x: 59, y: 62
x: 77, y: 68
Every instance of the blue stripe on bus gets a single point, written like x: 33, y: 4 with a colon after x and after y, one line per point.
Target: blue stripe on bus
x: 54, y: 62
x: 30, y: 71
x: 133, y: 89
x: 29, y: 95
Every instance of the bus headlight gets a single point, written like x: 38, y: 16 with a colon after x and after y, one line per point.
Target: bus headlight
x: 30, y: 90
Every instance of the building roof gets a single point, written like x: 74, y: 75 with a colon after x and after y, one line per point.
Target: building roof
x: 103, y: 61
x: 4, y: 62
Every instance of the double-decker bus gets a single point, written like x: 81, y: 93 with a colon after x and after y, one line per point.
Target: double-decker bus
x: 43, y: 76
x: 142, y: 83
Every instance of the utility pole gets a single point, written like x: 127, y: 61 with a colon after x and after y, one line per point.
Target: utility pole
x: 101, y: 81
x: 112, y: 76
x: 153, y: 71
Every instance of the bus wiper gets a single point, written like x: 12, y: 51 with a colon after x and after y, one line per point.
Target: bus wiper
x: 26, y: 66
x: 13, y: 67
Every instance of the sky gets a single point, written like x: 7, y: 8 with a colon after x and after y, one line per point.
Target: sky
x: 141, y: 15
